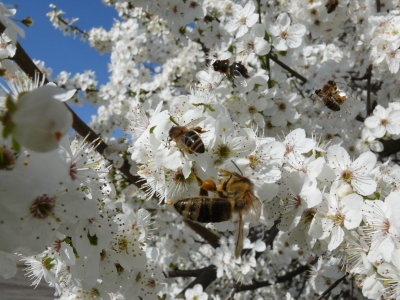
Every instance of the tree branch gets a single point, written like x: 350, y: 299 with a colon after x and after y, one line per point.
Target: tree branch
x: 184, y: 273
x: 270, y: 237
x: 287, y: 68
x: 335, y: 284
x: 378, y: 5
x: 279, y: 279
x: 205, y: 278
x: 369, y: 75
x: 389, y: 147
x: 22, y: 59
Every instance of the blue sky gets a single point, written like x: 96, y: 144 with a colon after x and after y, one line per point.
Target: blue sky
x: 64, y: 53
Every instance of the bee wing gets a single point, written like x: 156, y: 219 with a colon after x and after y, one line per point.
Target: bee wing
x: 238, y: 79
x: 239, y: 241
x: 242, y: 55
x: 193, y: 123
x: 256, y: 207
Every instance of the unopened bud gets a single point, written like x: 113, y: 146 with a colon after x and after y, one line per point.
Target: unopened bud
x: 28, y: 21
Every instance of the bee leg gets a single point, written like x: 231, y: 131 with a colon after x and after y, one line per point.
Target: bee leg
x: 239, y: 242
x: 198, y: 129
x: 203, y: 192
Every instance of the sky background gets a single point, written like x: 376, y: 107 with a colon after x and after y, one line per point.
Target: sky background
x: 64, y: 53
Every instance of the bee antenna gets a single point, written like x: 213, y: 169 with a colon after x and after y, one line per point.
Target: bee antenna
x: 237, y: 167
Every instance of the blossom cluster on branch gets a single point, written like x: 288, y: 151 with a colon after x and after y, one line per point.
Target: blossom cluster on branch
x: 294, y: 100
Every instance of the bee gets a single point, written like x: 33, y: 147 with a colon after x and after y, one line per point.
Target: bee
x: 187, y: 137
x: 237, y: 70
x: 331, y: 5
x: 235, y: 196
x: 330, y: 96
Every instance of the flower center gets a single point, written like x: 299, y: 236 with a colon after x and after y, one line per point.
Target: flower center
x: 7, y: 159
x: 284, y: 34
x: 72, y: 170
x: 384, y: 122
x: 298, y: 201
x: 250, y: 45
x: 193, y: 4
x: 42, y: 207
x: 178, y: 177
x: 223, y: 153
x: 252, y: 110
x: 254, y: 161
x: 386, y: 226
x: 309, y: 215
x: 338, y: 219
x: 289, y: 148
x: 282, y: 106
x: 347, y: 176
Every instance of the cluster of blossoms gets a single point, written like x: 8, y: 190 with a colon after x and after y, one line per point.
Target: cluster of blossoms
x: 253, y: 77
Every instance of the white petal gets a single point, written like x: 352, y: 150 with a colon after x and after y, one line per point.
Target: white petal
x: 249, y: 8
x: 242, y: 31
x: 338, y: 158
x: 251, y: 20
x: 337, y: 236
x: 352, y: 209
x: 372, y: 122
x: 364, y: 163
x: 280, y: 44
x: 283, y: 20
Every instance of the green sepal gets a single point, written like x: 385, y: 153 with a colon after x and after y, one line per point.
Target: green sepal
x: 205, y: 106
x: 173, y: 121
x: 10, y: 104
x: 16, y: 146
x: 152, y: 129
x: 48, y: 263
x: 8, y: 126
x: 92, y: 239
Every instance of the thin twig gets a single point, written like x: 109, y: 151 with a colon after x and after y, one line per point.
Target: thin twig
x: 302, y: 287
x: 73, y: 28
x: 259, y: 11
x: 287, y: 68
x: 335, y: 284
x: 378, y: 5
x: 22, y: 59
x: 184, y: 273
x: 369, y: 75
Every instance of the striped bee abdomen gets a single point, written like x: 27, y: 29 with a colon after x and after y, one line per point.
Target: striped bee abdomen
x: 193, y: 141
x: 205, y: 209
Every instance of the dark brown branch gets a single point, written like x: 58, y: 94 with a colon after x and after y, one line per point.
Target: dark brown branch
x: 279, y: 279
x: 378, y: 5
x: 73, y: 27
x: 184, y: 273
x: 335, y: 284
x: 206, y: 234
x: 389, y: 147
x: 369, y: 75
x: 303, y: 285
x: 287, y: 68
x: 22, y: 59
x: 205, y: 278
x: 270, y: 237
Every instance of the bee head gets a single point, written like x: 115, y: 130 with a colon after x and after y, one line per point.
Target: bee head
x: 215, y: 65
x: 174, y: 131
